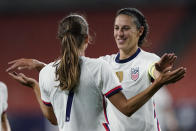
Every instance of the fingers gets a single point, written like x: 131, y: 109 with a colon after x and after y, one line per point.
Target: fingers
x: 23, y: 63
x: 11, y: 68
x: 172, y: 60
x: 177, y: 74
x: 179, y: 70
x: 164, y: 57
x: 17, y: 77
x: 167, y: 69
x: 14, y: 66
x: 24, y: 77
x: 12, y: 75
x: 177, y: 79
x: 17, y: 64
x: 173, y: 76
x: 22, y: 67
x: 170, y: 57
x: 163, y: 62
x: 167, y: 60
x: 14, y: 61
x: 157, y: 66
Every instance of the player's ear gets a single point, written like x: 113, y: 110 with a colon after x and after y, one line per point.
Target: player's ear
x: 141, y: 30
x: 86, y: 40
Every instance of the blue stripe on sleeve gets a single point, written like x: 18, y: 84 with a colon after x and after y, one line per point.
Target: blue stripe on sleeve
x: 113, y: 92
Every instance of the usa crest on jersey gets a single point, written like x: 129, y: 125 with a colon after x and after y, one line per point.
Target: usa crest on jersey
x: 135, y: 73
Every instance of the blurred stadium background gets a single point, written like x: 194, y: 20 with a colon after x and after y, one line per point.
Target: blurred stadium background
x: 28, y: 29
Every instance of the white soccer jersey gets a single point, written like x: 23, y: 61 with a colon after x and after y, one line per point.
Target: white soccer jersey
x: 83, y: 109
x: 133, y: 75
x: 163, y: 99
x: 3, y: 99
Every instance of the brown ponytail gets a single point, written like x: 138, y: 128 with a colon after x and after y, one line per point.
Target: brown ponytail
x: 72, y: 32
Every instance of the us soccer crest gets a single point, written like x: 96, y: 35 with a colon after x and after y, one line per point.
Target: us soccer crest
x: 135, y: 73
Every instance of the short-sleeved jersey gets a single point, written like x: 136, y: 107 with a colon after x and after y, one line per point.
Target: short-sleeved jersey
x: 134, y: 77
x: 81, y: 109
x: 3, y: 99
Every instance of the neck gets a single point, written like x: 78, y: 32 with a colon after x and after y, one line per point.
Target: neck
x: 82, y: 49
x: 81, y: 52
x: 124, y: 54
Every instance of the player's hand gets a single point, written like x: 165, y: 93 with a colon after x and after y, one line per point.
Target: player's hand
x: 23, y: 63
x: 24, y: 80
x: 167, y: 76
x: 166, y: 62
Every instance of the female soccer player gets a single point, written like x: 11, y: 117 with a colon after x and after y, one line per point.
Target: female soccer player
x: 4, y: 123
x: 73, y: 87
x: 135, y: 70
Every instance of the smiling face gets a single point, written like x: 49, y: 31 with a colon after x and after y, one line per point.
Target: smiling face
x: 126, y: 33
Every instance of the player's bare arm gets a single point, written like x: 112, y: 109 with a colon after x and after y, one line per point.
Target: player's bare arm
x: 24, y: 63
x: 32, y: 83
x: 128, y: 107
x: 5, y: 123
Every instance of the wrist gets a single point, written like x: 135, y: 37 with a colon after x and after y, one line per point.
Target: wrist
x: 38, y: 65
x: 35, y: 85
x: 157, y: 82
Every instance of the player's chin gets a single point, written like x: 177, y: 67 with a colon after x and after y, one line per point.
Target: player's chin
x: 121, y: 46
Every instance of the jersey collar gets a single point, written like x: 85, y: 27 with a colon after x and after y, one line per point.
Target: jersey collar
x: 128, y: 59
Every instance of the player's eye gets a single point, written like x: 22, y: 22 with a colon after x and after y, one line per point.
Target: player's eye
x: 126, y: 28
x: 116, y: 28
